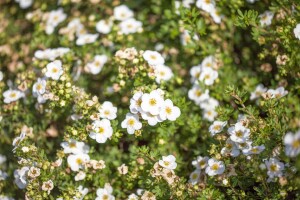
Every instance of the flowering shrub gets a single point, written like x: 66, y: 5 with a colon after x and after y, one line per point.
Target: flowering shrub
x: 110, y: 99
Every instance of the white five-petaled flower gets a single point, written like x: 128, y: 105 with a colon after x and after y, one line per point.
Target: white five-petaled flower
x: 200, y: 162
x: 230, y: 149
x: 152, y: 102
x: 194, y: 177
x: 39, y: 87
x: 12, y: 95
x: 74, y: 147
x: 266, y: 18
x: 105, y: 193
x: 54, y: 18
x: 162, y: 73
x: 239, y: 133
x: 101, y: 130
x: 130, y: 26
x: 215, y: 167
x: 274, y: 167
x: 153, y: 57
x: 131, y: 123
x: 292, y: 144
x: 297, y: 31
x: 54, y: 70
x: 168, y: 162
x: 277, y: 93
x: 48, y: 186
x: 86, y: 39
x: 108, y: 111
x: 259, y: 90
x: 254, y: 150
x: 77, y: 161
x: 104, y: 26
x: 169, y: 111
x: 96, y: 66
x: 135, y: 103
x: 122, y: 13
x: 152, y: 119
x: 197, y: 94
x: 217, y: 127
x: 208, y: 75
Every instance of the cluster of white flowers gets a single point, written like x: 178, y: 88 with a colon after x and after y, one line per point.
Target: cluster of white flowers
x: 101, y: 129
x: 260, y: 90
x: 151, y: 107
x: 297, y: 31
x: 275, y: 168
x: 51, y: 54
x: 209, y: 6
x: 210, y: 166
x: 266, y: 18
x: 105, y: 193
x: 292, y: 144
x: 206, y: 74
x: 54, y: 18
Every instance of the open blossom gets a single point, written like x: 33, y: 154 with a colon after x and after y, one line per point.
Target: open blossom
x: 152, y: 119
x: 132, y: 197
x: 48, y: 186
x: 39, y: 87
x: 77, y: 161
x: 266, y: 18
x: 297, y: 31
x: 24, y: 3
x: 74, y: 147
x: 34, y: 172
x: 152, y: 102
x: 130, y: 26
x: 122, y: 13
x: 208, y: 75
x: 105, y: 193
x: 80, y: 176
x: 195, y: 72
x: 168, y: 162
x: 162, y: 73
x: 274, y: 167
x: 123, y: 169
x: 153, y: 57
x: 169, y: 111
x: 254, y: 150
x: 12, y: 95
x: 206, y: 5
x: 259, y: 90
x: 83, y: 191
x: 239, y: 133
x: 108, y: 111
x: 86, y: 39
x: 217, y: 127
x: 54, y: 18
x: 292, y: 144
x: 101, y: 130
x: 104, y: 26
x: 51, y: 54
x: 277, y: 93
x: 215, y: 167
x: 210, y: 115
x: 197, y: 94
x: 131, y: 123
x: 200, y: 162
x: 135, y: 103
x: 217, y: 17
x: 194, y: 177
x: 230, y: 149
x: 96, y: 66
x: 54, y: 70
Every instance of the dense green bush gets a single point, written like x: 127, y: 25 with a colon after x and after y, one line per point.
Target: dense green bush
x: 150, y: 99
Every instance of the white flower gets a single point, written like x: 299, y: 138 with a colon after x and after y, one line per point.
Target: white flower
x: 131, y: 123
x: 200, y: 162
x: 130, y: 26
x: 163, y: 72
x: 104, y: 26
x: 96, y: 66
x: 239, y: 133
x: 105, y: 193
x: 215, y: 167
x: 54, y: 70
x: 209, y: 61
x: 230, y: 149
x: 209, y: 104
x: 208, y: 75
x: 2, y: 159
x: 292, y: 144
x: 76, y: 26
x: 151, y: 119
x: 217, y: 17
x: 54, y: 18
x: 86, y: 39
x: 83, y: 191
x: 122, y: 12
x: 135, y: 103
x: 278, y: 93
x: 39, y: 87
x: 216, y: 127
x: 21, y: 177
x: 195, y: 72
x: 169, y: 111
x: 186, y: 38
x: 153, y: 57
x: 197, y: 94
x: 12, y: 95
x: 152, y: 102
x: 210, y: 115
x: 274, y: 168
x: 254, y: 150
x: 194, y: 177
x: 74, y: 147
x: 101, y: 130
x: 34, y: 172
x: 266, y: 18
x: 51, y: 54
x: 132, y: 197
x: 77, y: 161
x: 48, y: 186
x: 259, y: 90
x: 297, y: 31
x: 80, y: 176
x: 24, y: 3
x: 108, y: 111
x: 168, y: 162
x: 18, y: 140
x: 206, y: 5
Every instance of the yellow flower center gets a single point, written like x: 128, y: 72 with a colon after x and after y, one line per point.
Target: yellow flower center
x: 168, y: 110
x: 296, y: 144
x: 217, y: 127
x: 130, y: 122
x: 215, y: 167
x: 166, y: 163
x: 273, y: 167
x: 152, y: 102
x: 79, y: 161
x: 239, y: 134
x: 13, y: 95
